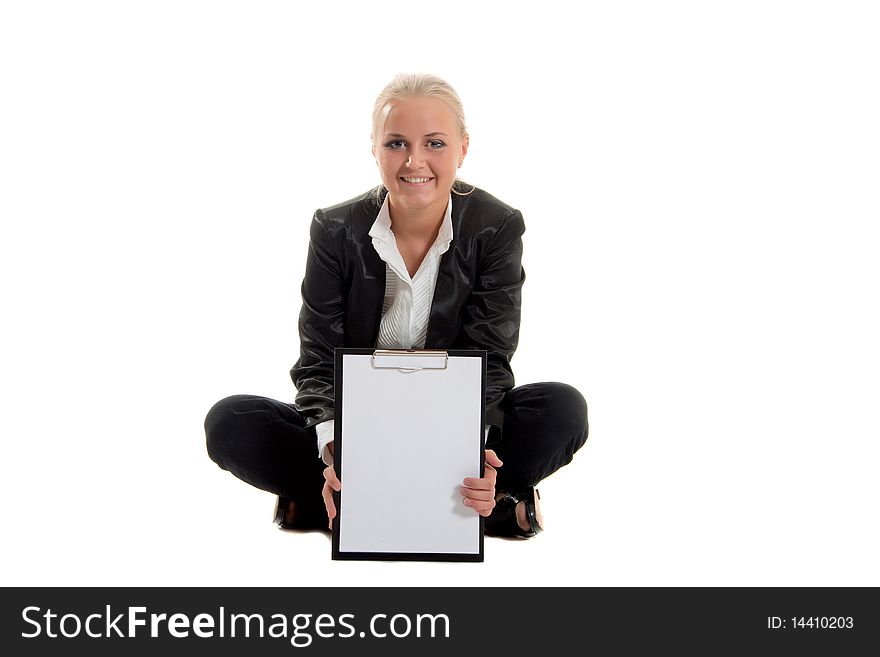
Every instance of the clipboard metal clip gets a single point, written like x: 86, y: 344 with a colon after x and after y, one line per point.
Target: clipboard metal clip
x: 409, y: 360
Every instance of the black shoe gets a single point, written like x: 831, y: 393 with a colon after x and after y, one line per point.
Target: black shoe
x: 281, y: 506
x: 301, y: 521
x: 503, y: 522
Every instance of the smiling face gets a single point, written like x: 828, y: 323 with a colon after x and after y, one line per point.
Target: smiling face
x: 418, y: 148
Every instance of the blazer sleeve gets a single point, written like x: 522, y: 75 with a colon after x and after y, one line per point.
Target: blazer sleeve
x: 491, y: 315
x: 321, y: 326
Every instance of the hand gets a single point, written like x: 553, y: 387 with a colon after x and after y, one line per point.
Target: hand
x: 479, y: 494
x: 331, y: 483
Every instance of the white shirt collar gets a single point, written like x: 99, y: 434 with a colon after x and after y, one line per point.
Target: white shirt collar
x: 381, y: 228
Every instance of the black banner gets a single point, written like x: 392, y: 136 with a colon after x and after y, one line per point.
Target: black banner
x: 436, y: 621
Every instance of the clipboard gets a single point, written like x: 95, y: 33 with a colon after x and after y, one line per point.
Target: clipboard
x: 409, y: 428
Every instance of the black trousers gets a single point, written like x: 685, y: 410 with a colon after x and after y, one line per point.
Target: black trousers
x: 265, y: 443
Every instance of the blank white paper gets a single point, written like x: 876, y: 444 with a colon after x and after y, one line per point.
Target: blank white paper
x: 408, y: 441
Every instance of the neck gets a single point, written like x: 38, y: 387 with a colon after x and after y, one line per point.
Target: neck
x: 417, y: 223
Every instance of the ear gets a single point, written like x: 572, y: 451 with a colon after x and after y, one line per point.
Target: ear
x: 464, y: 147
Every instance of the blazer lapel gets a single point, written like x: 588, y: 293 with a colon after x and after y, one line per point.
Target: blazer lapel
x: 367, y: 293
x: 441, y: 329
x: 443, y: 318
x: 373, y: 294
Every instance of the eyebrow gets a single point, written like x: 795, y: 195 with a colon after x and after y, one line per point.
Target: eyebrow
x: 430, y: 134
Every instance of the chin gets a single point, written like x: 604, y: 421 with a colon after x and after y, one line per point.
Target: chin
x: 421, y: 198
x: 426, y: 192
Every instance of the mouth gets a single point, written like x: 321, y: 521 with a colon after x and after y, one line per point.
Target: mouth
x: 416, y: 181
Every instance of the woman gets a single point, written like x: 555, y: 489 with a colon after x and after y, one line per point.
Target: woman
x: 423, y: 261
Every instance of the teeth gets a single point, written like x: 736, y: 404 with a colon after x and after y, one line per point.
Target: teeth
x: 416, y: 180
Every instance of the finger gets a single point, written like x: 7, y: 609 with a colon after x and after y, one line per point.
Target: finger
x: 479, y: 484
x: 331, y: 478
x: 328, y: 502
x: 492, y: 458
x: 476, y: 494
x: 483, y: 483
x: 484, y: 508
x: 331, y: 509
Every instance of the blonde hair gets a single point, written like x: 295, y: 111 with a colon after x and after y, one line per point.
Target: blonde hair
x: 420, y: 85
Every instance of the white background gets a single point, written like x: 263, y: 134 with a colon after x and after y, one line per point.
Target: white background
x: 700, y: 186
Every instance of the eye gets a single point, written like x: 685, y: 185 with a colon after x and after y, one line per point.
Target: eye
x: 395, y: 144
x: 436, y: 144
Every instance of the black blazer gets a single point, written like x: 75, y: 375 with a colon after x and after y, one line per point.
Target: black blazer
x: 476, y: 302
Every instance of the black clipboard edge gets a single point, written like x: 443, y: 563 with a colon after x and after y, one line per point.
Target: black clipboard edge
x: 412, y: 556
x: 338, y: 555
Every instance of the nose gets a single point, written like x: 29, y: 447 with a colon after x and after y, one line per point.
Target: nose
x: 416, y: 158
